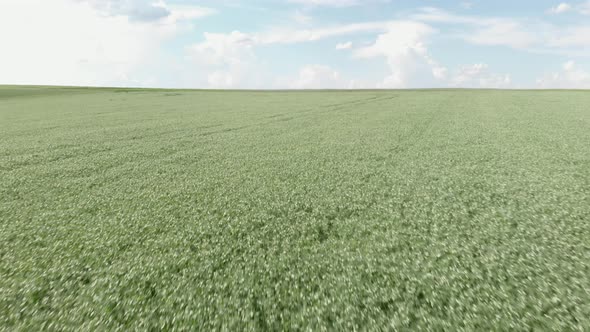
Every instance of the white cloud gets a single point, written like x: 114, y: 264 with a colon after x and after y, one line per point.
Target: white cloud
x: 584, y: 8
x: 479, y: 76
x: 292, y: 36
x: 330, y: 3
x: 76, y: 43
x: 300, y: 18
x: 581, y: 8
x: 344, y: 46
x: 231, y: 49
x: 439, y: 72
x: 147, y: 10
x: 229, y: 56
x: 483, y: 30
x: 335, y: 3
x: 435, y: 15
x: 229, y: 59
x: 530, y: 35
x: 139, y: 10
x: 569, y: 66
x: 402, y: 44
x: 318, y: 77
x: 221, y: 80
x: 58, y: 53
x: 561, y: 8
x: 570, y: 77
x: 404, y: 47
x: 577, y: 37
x: 121, y: 42
x: 564, y: 7
x: 467, y: 4
x: 502, y: 32
x: 179, y: 13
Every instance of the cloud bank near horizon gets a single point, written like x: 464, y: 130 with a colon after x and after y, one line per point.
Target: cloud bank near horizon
x: 298, y: 44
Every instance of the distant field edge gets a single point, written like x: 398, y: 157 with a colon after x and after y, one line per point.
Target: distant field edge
x: 132, y: 88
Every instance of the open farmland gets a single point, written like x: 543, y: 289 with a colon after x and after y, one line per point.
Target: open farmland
x: 171, y: 209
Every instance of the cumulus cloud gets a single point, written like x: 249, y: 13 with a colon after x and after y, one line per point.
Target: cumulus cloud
x: 229, y: 59
x: 584, y: 8
x: 222, y: 80
x: 561, y: 8
x: 330, y: 3
x: 115, y: 41
x: 503, y: 32
x: 479, y: 76
x: 404, y: 46
x: 292, y: 36
x: 233, y: 54
x: 318, y: 77
x: 401, y: 43
x: 180, y: 13
x: 532, y: 35
x: 58, y: 53
x: 467, y: 4
x: 569, y: 77
x: 301, y: 18
x: 577, y: 37
x: 139, y: 10
x: 490, y: 31
x: 146, y: 10
x: 564, y: 7
x: 77, y: 43
x: 315, y: 76
x: 335, y: 3
x: 344, y: 46
x: 231, y: 49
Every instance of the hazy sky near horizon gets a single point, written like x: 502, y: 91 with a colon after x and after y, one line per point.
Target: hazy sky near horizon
x: 280, y: 44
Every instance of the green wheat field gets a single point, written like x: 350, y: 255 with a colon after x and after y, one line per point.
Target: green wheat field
x: 136, y: 209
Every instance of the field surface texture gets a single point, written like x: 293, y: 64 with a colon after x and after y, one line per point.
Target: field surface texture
x: 363, y: 210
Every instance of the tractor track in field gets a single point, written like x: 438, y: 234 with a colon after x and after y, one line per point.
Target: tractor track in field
x: 326, y: 108
x: 409, y: 140
x: 405, y: 145
x: 275, y: 119
x: 75, y: 154
x: 400, y: 151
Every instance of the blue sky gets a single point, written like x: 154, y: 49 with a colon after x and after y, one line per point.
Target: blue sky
x: 296, y: 44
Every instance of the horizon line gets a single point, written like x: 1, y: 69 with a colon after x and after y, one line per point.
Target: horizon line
x: 287, y: 90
